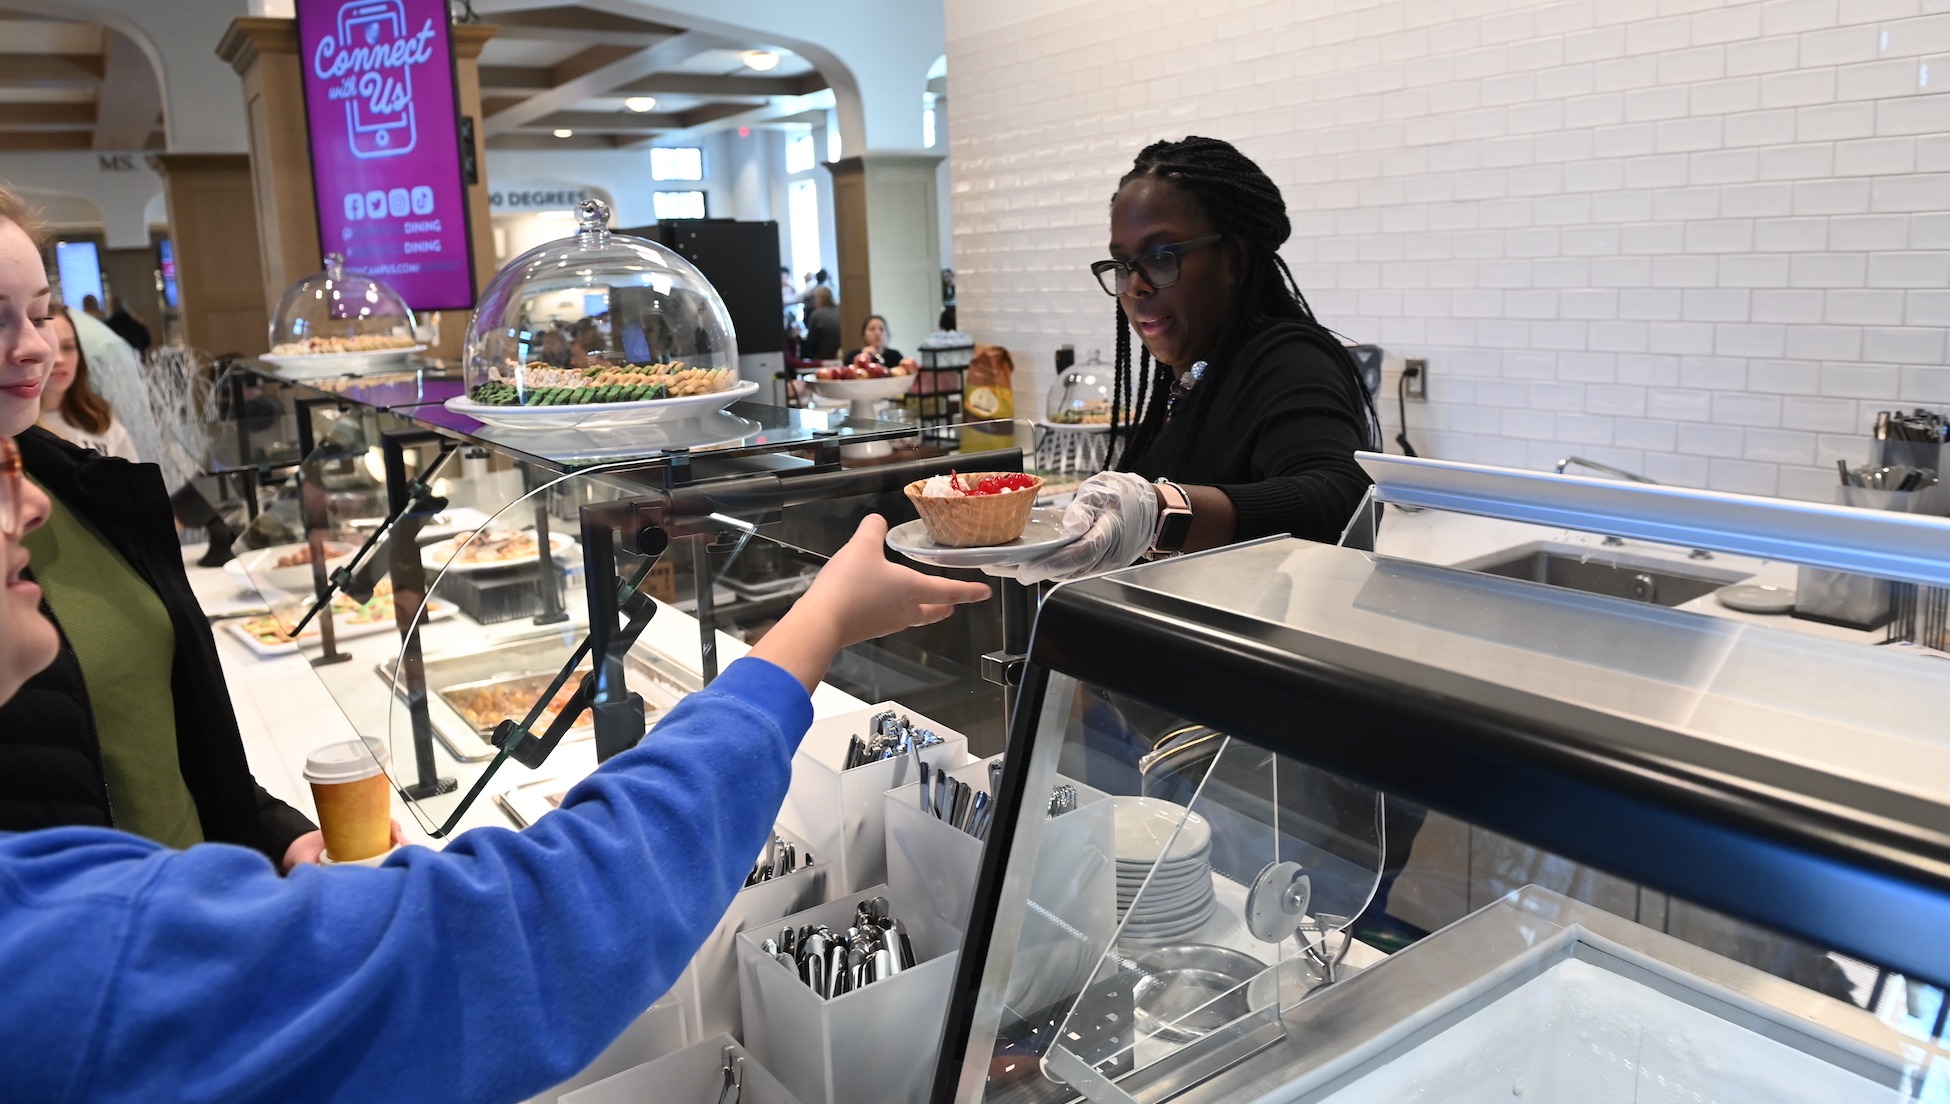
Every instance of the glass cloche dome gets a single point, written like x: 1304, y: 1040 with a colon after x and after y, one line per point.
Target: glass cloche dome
x: 1081, y: 395
x: 596, y: 319
x: 338, y: 312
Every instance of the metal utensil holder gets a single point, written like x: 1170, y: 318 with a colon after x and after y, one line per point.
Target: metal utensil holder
x: 876, y: 1043
x: 842, y: 814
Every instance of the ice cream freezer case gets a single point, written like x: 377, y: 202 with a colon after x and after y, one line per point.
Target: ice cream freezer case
x: 1271, y: 723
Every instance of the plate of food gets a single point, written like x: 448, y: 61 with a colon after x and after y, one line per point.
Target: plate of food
x: 286, y: 566
x: 976, y: 519
x: 540, y: 396
x: 489, y: 551
x: 265, y: 635
x: 318, y: 357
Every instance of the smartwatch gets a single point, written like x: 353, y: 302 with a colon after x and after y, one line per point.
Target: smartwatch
x: 1174, y: 519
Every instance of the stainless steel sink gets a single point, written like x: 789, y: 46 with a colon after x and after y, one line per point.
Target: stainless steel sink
x: 1597, y: 570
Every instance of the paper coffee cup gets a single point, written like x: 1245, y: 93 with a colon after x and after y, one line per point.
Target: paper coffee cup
x: 354, y: 798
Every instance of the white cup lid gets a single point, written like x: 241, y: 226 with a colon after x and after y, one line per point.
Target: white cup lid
x: 346, y: 761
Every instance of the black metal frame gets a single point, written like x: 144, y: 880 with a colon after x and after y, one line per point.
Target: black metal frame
x: 1841, y: 863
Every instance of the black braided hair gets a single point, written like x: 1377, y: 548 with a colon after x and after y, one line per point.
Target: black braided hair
x: 1244, y: 204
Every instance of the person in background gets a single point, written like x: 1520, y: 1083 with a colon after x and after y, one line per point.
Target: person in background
x: 822, y: 327
x: 132, y: 725
x: 91, y: 306
x: 873, y: 343
x: 128, y: 327
x: 1243, y: 414
x: 69, y: 405
x: 116, y: 373
x: 485, y: 972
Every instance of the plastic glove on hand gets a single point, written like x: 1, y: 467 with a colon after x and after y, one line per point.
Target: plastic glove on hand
x: 1115, y: 513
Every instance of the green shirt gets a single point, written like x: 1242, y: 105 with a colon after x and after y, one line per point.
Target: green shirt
x: 123, y: 638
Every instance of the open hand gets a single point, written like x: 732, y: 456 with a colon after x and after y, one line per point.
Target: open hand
x: 859, y: 595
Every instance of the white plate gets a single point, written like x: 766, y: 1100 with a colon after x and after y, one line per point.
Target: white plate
x: 1044, y: 533
x: 602, y: 415
x: 1183, y: 902
x: 1145, y: 826
x: 437, y: 609
x: 435, y: 556
x: 869, y: 390
x: 317, y: 365
x: 1756, y: 598
x: 255, y: 569
x: 713, y: 427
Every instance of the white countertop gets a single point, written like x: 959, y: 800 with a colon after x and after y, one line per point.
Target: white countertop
x: 284, y: 708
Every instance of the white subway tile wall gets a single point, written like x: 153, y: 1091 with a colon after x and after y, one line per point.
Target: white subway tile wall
x: 1701, y: 239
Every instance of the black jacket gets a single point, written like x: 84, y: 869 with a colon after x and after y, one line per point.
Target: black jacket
x: 1278, y: 436
x: 50, y: 758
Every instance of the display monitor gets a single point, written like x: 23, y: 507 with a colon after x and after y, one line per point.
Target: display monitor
x: 385, y: 145
x: 79, y: 264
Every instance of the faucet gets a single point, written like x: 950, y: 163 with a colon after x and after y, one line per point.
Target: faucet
x: 1695, y: 554
x: 1606, y: 468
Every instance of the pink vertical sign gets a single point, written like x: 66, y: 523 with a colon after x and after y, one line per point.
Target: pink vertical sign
x: 385, y: 144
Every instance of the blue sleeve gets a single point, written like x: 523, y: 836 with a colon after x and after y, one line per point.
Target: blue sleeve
x: 487, y: 971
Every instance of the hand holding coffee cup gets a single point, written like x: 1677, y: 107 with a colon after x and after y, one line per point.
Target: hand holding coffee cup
x: 354, y: 799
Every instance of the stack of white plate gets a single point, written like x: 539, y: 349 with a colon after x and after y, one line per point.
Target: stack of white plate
x: 1175, y: 900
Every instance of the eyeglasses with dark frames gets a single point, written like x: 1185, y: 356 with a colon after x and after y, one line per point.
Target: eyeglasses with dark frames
x: 13, y: 492
x: 1159, y: 265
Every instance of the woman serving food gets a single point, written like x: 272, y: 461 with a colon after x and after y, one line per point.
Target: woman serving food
x: 1243, y: 413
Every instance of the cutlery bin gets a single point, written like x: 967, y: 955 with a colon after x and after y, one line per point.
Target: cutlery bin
x: 661, y: 1030
x: 841, y: 814
x: 694, y: 1073
x: 929, y: 861
x: 935, y: 864
x: 877, y: 1043
x: 710, y: 983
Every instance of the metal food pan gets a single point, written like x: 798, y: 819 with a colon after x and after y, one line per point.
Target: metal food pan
x: 533, y: 657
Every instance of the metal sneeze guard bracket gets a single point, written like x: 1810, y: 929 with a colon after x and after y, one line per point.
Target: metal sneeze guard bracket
x: 1878, y: 543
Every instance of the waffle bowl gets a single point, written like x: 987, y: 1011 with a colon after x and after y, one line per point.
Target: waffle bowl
x: 975, y: 520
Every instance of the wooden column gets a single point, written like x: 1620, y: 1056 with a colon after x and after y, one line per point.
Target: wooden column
x: 217, y: 258
x: 886, y: 213
x: 264, y: 52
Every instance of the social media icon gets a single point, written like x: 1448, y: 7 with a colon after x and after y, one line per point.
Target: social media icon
x: 397, y: 203
x: 355, y: 206
x: 376, y: 204
x: 422, y: 200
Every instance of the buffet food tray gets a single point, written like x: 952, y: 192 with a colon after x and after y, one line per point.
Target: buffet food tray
x: 471, y: 690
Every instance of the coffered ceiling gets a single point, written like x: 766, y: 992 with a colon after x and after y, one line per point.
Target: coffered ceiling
x: 73, y: 85
x: 70, y: 85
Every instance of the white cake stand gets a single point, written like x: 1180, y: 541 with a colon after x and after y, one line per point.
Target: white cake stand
x: 863, y: 398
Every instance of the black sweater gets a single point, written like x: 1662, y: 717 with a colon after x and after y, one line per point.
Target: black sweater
x: 1278, y: 438
x: 50, y: 758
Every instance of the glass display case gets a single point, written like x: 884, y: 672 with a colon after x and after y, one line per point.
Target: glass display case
x: 339, y: 322
x: 1704, y: 857
x: 598, y: 330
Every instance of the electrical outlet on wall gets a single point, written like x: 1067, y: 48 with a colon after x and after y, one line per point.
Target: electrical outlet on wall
x: 1415, y: 371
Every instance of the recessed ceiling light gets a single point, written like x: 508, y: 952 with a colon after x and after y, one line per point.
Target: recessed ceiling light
x: 640, y: 103
x: 762, y: 60
x: 564, y: 132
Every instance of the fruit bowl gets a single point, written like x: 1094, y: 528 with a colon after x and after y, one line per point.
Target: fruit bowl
x: 862, y: 393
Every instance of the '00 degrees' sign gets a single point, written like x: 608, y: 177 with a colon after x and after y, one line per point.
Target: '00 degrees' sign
x: 379, y: 100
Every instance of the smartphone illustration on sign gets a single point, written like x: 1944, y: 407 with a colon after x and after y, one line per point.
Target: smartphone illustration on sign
x: 385, y: 130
